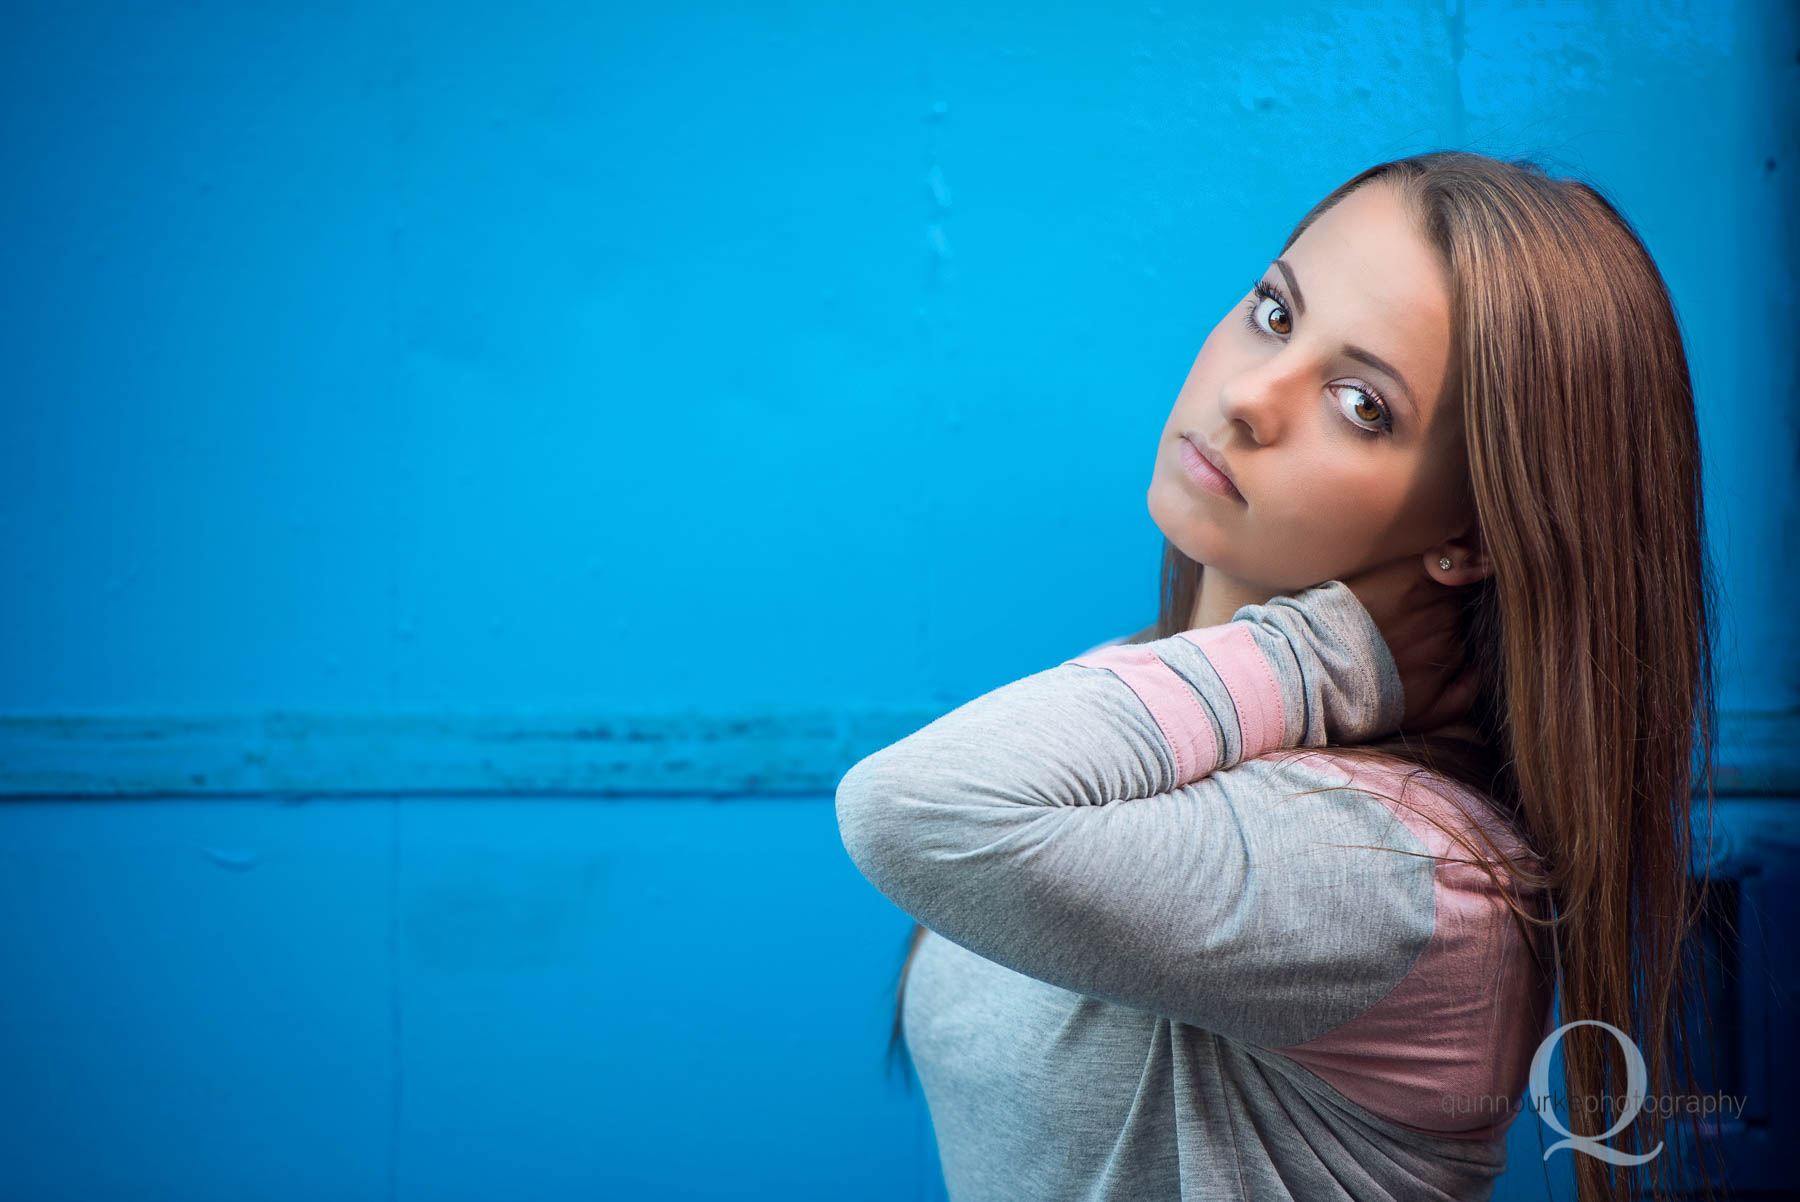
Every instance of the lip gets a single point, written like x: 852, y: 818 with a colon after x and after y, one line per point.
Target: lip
x: 1207, y: 468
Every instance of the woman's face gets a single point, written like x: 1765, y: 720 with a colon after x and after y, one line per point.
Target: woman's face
x: 1339, y: 464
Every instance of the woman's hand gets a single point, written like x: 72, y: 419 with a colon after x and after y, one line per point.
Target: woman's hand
x: 1417, y: 618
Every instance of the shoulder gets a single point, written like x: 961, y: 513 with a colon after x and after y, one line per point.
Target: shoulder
x: 1463, y: 1021
x: 1453, y: 821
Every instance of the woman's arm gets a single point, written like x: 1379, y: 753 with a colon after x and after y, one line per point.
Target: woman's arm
x: 1105, y: 825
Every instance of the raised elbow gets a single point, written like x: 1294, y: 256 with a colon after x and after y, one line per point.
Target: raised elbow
x: 868, y: 820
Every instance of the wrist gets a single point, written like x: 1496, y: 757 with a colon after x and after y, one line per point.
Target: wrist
x: 1349, y: 686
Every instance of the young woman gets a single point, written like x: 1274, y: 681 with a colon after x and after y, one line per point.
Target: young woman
x: 1272, y: 898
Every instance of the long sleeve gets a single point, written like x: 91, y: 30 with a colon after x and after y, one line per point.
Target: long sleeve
x: 1107, y: 825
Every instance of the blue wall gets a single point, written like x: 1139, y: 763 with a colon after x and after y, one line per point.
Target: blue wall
x: 474, y: 477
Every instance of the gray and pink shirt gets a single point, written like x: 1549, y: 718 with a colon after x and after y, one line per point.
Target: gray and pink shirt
x: 1170, y: 957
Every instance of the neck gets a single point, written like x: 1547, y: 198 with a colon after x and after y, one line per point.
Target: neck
x: 1221, y: 595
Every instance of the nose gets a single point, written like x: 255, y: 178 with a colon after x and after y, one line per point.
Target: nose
x: 1263, y: 396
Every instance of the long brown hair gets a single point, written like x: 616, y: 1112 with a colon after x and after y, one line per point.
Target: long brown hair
x: 1595, y: 631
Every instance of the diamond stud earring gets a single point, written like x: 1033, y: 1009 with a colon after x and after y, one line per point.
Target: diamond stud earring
x: 1444, y: 563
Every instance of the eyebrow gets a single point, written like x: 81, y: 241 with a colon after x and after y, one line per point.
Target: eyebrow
x: 1354, y: 352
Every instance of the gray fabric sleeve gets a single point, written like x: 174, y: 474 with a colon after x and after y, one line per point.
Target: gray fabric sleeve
x: 1044, y: 826
x: 1338, y: 680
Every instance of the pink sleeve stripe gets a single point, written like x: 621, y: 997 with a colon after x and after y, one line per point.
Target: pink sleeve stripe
x: 1255, y: 693
x: 1171, y: 701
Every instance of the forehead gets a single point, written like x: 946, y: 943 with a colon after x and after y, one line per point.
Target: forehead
x: 1370, y: 279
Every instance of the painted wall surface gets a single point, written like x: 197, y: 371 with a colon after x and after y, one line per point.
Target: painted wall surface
x: 474, y: 477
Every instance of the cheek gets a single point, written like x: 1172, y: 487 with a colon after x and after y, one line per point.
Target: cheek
x: 1325, y: 513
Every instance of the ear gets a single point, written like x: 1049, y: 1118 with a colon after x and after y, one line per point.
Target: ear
x: 1467, y: 556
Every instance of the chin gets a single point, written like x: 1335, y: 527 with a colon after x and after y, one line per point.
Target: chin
x: 1186, y: 526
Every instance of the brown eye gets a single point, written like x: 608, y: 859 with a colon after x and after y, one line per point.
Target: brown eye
x: 1261, y: 291
x: 1281, y: 325
x: 1365, y: 407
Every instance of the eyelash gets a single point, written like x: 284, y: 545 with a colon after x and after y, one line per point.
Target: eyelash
x: 1260, y: 289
